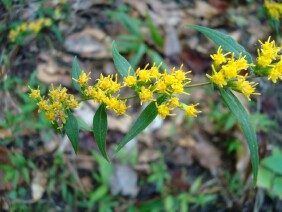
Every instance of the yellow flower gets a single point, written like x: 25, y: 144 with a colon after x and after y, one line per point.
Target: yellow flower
x: 267, y: 53
x: 143, y: 74
x: 217, y: 78
x: 90, y: 91
x: 219, y: 57
x: 115, y: 86
x: 145, y: 94
x: 180, y: 75
x: 63, y: 94
x: 35, y: 93
x: 83, y: 78
x: 174, y: 101
x: 169, y: 79
x: 276, y: 71
x: 50, y: 115
x: 154, y: 71
x: 164, y: 110
x: 191, y: 111
x: 121, y: 109
x: 72, y: 102
x: 57, y: 106
x: 54, y: 93
x: 247, y: 88
x: 274, y: 9
x: 229, y: 70
x: 129, y: 81
x: 178, y: 88
x: 43, y: 105
x: 161, y: 87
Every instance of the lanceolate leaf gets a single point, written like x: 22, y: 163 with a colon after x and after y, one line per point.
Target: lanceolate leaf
x: 227, y: 43
x: 71, y: 128
x: 155, y: 34
x: 243, y: 118
x: 121, y: 63
x: 145, y: 118
x: 75, y: 72
x: 100, y: 127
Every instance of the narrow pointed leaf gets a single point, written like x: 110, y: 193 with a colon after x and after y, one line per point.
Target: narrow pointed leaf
x: 71, y: 128
x: 145, y: 118
x: 243, y: 118
x: 75, y: 72
x: 227, y: 43
x: 100, y: 127
x: 155, y: 34
x: 138, y: 55
x: 121, y: 63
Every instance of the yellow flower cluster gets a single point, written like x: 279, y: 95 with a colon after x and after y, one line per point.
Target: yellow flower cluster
x: 269, y: 56
x: 146, y: 83
x: 34, y: 27
x: 55, y: 105
x: 274, y: 9
x: 149, y: 81
x: 103, y: 92
x: 226, y: 68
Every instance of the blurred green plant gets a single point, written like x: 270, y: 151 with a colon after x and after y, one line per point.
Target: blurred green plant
x: 135, y: 43
x: 270, y: 174
x: 23, y: 117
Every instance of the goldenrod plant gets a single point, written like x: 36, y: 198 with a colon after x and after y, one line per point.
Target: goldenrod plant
x: 232, y: 69
x: 32, y: 27
x: 274, y: 9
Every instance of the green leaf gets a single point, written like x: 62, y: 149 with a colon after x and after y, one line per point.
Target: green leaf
x: 121, y: 63
x: 273, y: 163
x: 82, y: 124
x: 265, y: 178
x: 227, y: 43
x: 100, y: 127
x: 75, y: 72
x: 145, y: 118
x: 58, y: 33
x: 129, y: 24
x: 156, y: 36
x: 8, y: 3
x: 138, y: 55
x: 71, y: 128
x: 243, y: 118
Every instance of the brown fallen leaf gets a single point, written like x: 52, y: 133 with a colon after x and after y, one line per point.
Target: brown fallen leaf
x: 89, y: 43
x: 148, y: 155
x: 206, y: 153
x: 203, y: 10
x: 38, y: 184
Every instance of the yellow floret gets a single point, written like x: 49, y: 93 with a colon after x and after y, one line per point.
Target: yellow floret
x: 219, y: 57
x: 35, y: 93
x: 247, y: 88
x: 145, y: 94
x: 83, y: 78
x: 191, y: 111
x: 129, y: 81
x: 218, y: 78
x: 50, y: 115
x: 164, y: 110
